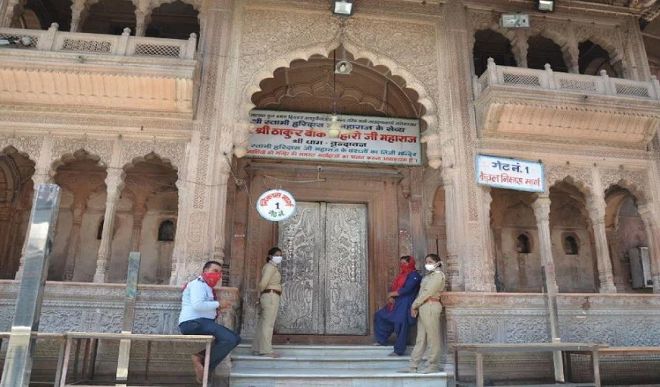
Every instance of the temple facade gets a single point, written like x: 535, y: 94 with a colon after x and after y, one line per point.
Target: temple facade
x: 140, y: 111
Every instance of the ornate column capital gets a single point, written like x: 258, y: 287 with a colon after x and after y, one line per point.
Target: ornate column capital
x: 596, y: 209
x: 434, y: 148
x: 541, y: 207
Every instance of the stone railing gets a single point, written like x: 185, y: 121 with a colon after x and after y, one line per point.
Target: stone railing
x: 564, y: 82
x: 121, y: 45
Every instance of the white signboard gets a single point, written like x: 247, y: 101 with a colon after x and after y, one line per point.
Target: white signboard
x: 304, y: 136
x: 276, y: 205
x: 502, y: 172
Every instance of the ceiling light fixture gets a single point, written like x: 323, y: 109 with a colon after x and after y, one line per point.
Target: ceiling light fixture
x: 342, y: 7
x: 545, y: 5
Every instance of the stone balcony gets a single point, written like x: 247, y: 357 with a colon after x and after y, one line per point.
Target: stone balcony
x: 81, y: 71
x: 527, y: 104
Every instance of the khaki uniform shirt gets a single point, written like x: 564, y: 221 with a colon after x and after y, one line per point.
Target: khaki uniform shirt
x: 432, y: 285
x: 270, y: 278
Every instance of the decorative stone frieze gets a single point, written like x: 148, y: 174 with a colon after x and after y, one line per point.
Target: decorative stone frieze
x: 408, y: 42
x: 67, y: 146
x: 618, y: 320
x: 581, y: 177
x: 635, y: 181
x: 28, y: 145
x: 90, y: 307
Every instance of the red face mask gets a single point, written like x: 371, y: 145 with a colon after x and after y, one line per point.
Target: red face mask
x: 212, y: 279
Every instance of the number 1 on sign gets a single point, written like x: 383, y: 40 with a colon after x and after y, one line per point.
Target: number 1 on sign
x: 277, y: 205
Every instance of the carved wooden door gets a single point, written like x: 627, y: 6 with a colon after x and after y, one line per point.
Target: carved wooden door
x: 324, y: 271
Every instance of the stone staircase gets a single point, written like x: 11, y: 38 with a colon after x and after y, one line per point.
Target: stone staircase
x: 328, y: 365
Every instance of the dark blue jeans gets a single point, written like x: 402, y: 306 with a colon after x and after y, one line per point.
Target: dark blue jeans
x: 225, y: 339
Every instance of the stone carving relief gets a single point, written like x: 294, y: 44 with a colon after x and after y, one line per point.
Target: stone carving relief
x: 202, y: 167
x: 409, y: 43
x: 29, y: 145
x: 621, y: 321
x: 99, y: 308
x: 170, y: 151
x: 155, y: 93
x: 580, y: 176
x: 634, y: 181
x: 63, y: 146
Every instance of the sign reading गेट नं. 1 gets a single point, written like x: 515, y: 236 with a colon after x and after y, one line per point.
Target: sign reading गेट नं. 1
x: 304, y: 136
x: 502, y: 172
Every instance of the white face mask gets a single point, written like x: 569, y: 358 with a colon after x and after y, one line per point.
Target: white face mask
x: 430, y: 266
x: 276, y: 259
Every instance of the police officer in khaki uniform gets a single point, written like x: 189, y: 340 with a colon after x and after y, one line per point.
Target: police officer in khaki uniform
x: 270, y: 289
x: 427, y: 308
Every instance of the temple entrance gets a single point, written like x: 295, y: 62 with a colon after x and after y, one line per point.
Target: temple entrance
x: 325, y: 270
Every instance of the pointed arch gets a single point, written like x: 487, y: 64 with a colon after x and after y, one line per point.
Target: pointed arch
x: 305, y: 53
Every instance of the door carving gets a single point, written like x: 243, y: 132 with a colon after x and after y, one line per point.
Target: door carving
x: 325, y: 270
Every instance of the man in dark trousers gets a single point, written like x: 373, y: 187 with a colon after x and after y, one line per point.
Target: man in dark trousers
x: 199, y: 309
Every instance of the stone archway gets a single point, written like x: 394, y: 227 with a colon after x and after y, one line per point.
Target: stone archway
x: 577, y: 271
x: 406, y: 79
x: 625, y: 231
x: 16, y: 171
x: 82, y: 178
x: 150, y: 181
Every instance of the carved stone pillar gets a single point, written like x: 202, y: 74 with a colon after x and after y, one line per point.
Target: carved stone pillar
x: 453, y: 270
x: 179, y: 236
x: 13, y: 8
x: 136, y: 234
x: 78, y: 10
x: 114, y: 184
x: 142, y: 17
x: 653, y: 235
x: 221, y: 210
x: 597, y: 217
x: 41, y: 176
x: 519, y: 47
x: 489, y: 248
x: 541, y: 208
x: 74, y: 239
x: 571, y: 51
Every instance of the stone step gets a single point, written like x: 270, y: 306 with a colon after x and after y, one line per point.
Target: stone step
x: 328, y: 365
x: 295, y: 350
x: 354, y: 361
x: 334, y: 377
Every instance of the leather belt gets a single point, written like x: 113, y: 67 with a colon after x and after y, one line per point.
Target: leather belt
x: 433, y: 299
x: 279, y: 293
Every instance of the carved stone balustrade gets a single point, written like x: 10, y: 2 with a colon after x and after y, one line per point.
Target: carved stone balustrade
x: 111, y: 72
x: 526, y: 104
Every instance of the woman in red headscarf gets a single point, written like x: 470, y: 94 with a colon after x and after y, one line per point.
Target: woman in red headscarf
x: 395, y: 316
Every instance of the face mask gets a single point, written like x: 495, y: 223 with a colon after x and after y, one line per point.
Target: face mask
x: 211, y: 279
x: 276, y: 259
x: 430, y: 266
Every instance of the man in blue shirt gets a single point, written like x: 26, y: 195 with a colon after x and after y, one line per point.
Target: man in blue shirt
x: 199, y: 309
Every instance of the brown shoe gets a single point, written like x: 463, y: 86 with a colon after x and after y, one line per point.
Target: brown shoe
x: 198, y: 366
